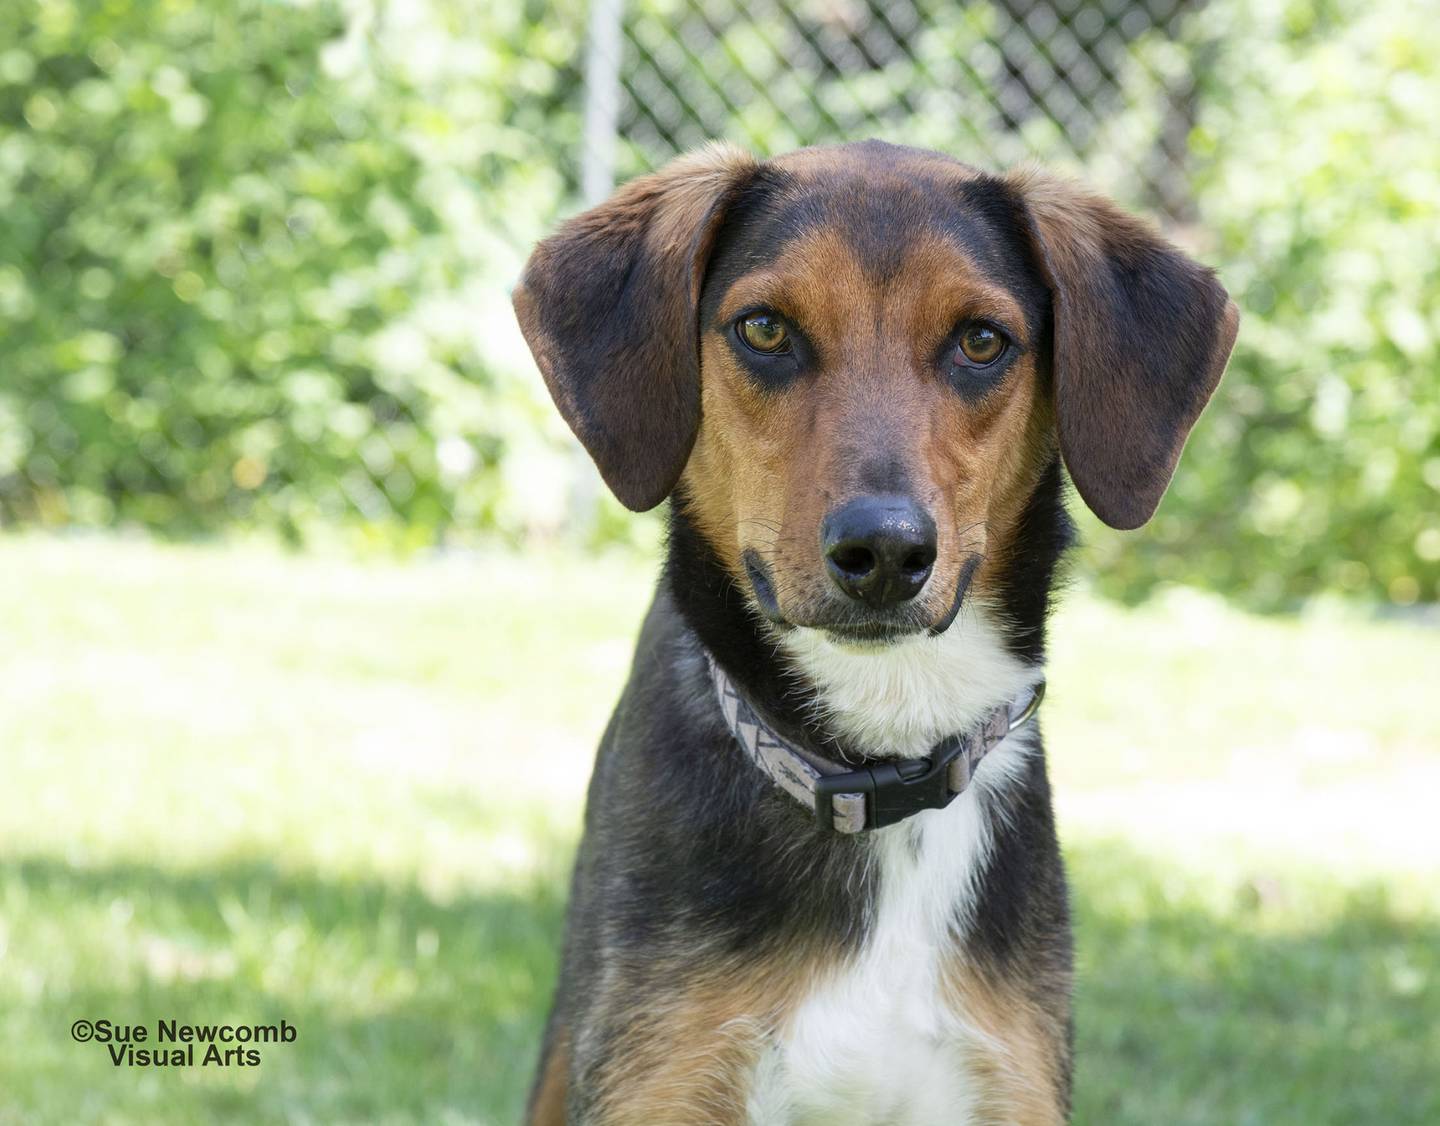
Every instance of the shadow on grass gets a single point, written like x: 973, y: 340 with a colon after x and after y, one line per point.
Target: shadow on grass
x: 1298, y: 1001
x: 406, y: 1009
x: 1284, y: 1010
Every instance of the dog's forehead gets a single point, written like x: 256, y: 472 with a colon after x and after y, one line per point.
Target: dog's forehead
x: 881, y: 201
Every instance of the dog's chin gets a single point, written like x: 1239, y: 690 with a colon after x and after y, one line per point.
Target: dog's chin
x: 855, y: 629
x: 869, y: 637
x: 868, y: 631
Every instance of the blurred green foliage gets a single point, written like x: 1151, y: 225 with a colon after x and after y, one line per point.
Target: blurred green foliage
x: 252, y: 264
x: 1316, y: 171
x: 254, y: 261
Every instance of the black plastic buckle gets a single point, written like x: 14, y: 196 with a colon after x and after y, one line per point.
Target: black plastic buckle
x: 893, y: 790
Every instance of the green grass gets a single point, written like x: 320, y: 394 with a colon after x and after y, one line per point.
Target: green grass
x: 241, y: 787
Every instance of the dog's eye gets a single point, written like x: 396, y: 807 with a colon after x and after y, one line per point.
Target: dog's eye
x: 980, y: 345
x: 765, y: 332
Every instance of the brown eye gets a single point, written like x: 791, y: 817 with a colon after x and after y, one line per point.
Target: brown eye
x: 765, y: 332
x: 980, y: 344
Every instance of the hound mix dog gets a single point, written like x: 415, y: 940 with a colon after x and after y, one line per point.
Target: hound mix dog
x: 819, y: 879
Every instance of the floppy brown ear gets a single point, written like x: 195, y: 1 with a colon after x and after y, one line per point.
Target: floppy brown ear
x: 1141, y: 336
x: 609, y: 307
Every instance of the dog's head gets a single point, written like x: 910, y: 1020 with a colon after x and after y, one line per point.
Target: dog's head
x: 855, y: 363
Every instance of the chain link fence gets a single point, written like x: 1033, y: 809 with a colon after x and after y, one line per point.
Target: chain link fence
x: 1083, y: 83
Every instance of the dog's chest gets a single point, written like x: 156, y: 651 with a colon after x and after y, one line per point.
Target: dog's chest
x: 879, y: 1042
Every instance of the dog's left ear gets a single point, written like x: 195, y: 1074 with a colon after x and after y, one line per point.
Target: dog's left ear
x: 1141, y: 336
x: 610, y: 308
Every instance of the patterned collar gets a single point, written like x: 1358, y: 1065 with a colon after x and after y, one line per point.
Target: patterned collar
x: 883, y: 793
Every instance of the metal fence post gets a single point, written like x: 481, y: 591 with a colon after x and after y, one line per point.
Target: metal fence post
x: 600, y: 124
x: 602, y: 100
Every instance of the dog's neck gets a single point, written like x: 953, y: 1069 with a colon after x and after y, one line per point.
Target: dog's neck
x: 854, y: 704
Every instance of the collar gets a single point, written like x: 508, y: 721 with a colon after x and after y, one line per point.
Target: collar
x: 871, y: 797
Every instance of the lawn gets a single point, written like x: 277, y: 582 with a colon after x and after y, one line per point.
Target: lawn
x: 242, y: 787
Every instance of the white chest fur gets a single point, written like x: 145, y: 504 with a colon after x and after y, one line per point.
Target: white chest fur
x: 877, y: 1042
x: 906, y: 697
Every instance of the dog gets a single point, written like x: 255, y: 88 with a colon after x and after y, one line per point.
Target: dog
x: 819, y: 879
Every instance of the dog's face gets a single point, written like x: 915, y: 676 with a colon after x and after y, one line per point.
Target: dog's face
x: 856, y: 362
x: 869, y: 397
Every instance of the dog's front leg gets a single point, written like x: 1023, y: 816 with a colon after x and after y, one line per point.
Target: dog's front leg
x: 674, y: 1056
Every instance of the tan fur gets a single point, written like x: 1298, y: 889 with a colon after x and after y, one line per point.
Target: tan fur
x: 547, y: 1108
x: 1015, y: 1050
x: 901, y: 165
x: 690, y: 1050
x: 1068, y: 212
x: 768, y: 466
x: 691, y: 185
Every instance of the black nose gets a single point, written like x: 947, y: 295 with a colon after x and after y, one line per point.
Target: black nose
x: 879, y: 549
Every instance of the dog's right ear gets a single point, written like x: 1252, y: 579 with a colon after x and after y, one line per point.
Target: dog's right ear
x: 609, y: 307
